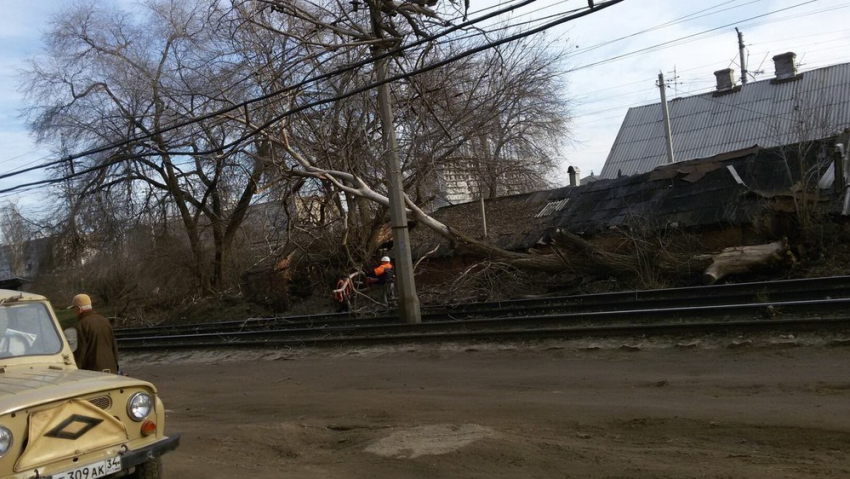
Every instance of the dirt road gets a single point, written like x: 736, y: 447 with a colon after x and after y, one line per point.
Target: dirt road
x: 539, y: 410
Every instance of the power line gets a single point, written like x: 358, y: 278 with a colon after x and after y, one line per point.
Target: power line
x: 9, y: 160
x: 676, y: 21
x: 276, y: 93
x: 365, y: 62
x: 834, y: 61
x: 409, y: 46
x: 797, y: 17
x: 309, y: 105
x: 483, y: 32
x: 783, y: 39
x: 585, y: 95
x: 677, y: 41
x: 691, y: 16
x: 688, y: 17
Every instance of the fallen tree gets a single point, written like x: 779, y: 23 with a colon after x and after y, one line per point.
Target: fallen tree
x: 585, y: 257
x: 570, y: 253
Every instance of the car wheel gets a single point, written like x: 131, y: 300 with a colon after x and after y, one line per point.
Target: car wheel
x: 149, y: 470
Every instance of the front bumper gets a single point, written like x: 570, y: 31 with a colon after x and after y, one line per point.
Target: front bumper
x: 134, y: 458
x: 138, y: 456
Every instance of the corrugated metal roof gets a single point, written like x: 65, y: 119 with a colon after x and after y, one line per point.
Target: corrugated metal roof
x: 765, y: 113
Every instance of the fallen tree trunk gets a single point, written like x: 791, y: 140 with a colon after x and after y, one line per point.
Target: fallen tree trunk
x: 583, y: 257
x: 578, y: 256
x: 744, y: 259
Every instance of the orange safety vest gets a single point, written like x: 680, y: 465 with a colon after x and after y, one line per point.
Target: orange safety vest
x: 383, y: 268
x: 344, y: 290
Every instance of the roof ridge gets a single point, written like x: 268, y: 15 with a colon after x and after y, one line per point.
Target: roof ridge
x: 749, y: 84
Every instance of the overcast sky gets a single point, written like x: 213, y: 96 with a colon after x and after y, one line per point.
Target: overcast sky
x: 691, y: 38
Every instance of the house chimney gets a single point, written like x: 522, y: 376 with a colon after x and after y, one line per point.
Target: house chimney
x: 725, y: 79
x: 785, y: 65
x: 574, y: 173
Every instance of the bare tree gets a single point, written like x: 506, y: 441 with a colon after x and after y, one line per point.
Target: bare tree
x: 499, y: 116
x: 110, y: 75
x: 502, y: 117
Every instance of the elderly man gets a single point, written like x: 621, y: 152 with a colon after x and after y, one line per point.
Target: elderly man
x: 97, y: 349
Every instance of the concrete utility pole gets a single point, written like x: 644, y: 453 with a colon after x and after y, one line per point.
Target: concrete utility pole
x: 483, y: 212
x: 668, y: 132
x: 743, y: 59
x: 408, y: 304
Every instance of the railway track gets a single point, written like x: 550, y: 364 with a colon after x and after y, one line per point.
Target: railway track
x: 728, y: 294
x: 816, y: 303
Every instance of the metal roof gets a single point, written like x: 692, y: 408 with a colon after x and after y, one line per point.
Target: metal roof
x: 815, y: 104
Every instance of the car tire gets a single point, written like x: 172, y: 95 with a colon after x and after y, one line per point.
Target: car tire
x: 149, y: 470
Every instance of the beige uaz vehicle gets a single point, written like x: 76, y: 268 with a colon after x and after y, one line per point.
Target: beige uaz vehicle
x: 60, y: 422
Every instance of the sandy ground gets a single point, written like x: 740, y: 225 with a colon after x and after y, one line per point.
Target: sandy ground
x: 541, y: 410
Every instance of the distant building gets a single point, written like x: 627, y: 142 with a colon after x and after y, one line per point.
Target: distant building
x: 791, y: 108
x: 457, y: 184
x: 461, y: 182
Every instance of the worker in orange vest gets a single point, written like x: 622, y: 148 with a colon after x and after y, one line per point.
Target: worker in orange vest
x: 343, y: 292
x: 382, y: 273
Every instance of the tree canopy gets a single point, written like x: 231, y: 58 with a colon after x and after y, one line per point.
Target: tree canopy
x: 213, y: 107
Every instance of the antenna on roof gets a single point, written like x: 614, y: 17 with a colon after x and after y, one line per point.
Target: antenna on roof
x: 674, y: 82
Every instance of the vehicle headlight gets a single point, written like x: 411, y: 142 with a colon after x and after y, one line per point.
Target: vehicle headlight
x: 139, y: 406
x: 5, y: 440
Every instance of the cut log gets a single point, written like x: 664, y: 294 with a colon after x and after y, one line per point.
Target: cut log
x: 743, y: 259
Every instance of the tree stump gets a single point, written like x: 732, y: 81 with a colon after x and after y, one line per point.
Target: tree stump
x: 743, y: 259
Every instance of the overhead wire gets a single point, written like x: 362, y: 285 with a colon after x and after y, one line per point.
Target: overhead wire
x: 583, y: 98
x: 364, y: 62
x: 677, y: 21
x: 691, y: 16
x: 810, y: 66
x: 281, y: 91
x: 678, y: 41
x: 484, y: 31
x: 277, y: 118
x: 256, y: 70
x: 16, y: 157
x: 575, y: 69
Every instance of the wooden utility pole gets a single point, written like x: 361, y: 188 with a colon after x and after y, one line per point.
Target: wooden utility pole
x: 668, y: 132
x: 408, y: 304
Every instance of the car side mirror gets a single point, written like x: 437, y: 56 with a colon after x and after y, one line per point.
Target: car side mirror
x: 71, y: 336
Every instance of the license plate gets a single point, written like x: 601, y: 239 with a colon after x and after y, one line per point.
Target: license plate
x: 92, y: 471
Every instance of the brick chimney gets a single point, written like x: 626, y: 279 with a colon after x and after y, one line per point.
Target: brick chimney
x: 725, y: 79
x: 575, y: 174
x: 785, y: 65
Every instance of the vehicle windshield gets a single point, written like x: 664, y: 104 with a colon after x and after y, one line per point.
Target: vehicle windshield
x: 26, y: 329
